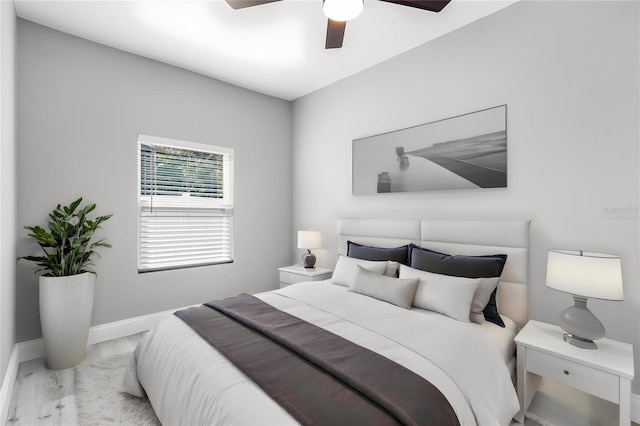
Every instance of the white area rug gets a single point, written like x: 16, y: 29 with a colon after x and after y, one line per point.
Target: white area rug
x: 100, y: 398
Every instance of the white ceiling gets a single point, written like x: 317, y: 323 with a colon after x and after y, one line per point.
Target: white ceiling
x: 276, y: 49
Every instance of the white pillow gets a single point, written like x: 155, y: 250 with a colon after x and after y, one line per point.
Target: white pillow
x: 481, y: 298
x: 392, y: 269
x: 450, y: 296
x: 347, y: 267
x: 394, y: 290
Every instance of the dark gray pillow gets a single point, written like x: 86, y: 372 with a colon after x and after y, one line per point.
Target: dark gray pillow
x: 487, y: 266
x: 396, y: 254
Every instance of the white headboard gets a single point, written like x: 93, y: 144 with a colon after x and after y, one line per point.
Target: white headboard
x: 468, y: 237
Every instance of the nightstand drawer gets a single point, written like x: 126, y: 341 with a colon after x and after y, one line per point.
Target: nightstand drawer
x: 578, y: 376
x: 290, y: 278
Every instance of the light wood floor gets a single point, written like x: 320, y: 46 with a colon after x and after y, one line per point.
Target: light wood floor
x: 43, y: 397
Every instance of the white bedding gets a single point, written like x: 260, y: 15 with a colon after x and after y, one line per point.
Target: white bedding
x: 503, y: 338
x: 189, y: 382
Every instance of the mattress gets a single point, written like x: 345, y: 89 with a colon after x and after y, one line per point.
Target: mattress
x: 189, y: 382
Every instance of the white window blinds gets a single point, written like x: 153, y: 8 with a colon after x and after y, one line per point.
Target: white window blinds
x: 185, y: 204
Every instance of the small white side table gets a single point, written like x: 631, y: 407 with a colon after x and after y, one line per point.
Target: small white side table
x: 297, y: 274
x: 605, y: 372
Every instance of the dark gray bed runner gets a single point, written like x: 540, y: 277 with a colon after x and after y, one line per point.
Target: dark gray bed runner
x: 318, y: 377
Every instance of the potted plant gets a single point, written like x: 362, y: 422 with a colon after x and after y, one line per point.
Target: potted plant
x: 66, y: 287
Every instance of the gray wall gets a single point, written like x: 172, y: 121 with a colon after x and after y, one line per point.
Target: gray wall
x: 7, y: 183
x: 569, y: 73
x: 80, y: 108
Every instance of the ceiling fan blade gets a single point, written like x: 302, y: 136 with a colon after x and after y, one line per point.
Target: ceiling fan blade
x: 431, y: 5
x: 335, y: 34
x: 241, y: 4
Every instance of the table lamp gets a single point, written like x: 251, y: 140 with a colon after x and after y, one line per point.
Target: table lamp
x: 584, y: 275
x: 309, y: 240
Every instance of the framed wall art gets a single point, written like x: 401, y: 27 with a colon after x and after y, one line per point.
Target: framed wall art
x: 468, y: 151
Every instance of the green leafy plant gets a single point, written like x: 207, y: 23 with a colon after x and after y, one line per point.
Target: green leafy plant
x: 67, y: 245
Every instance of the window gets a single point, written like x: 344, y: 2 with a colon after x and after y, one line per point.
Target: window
x: 185, y: 204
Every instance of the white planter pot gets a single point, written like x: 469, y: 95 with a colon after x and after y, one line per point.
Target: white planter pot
x: 66, y: 304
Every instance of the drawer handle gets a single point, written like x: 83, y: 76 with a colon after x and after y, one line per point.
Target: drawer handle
x: 566, y: 372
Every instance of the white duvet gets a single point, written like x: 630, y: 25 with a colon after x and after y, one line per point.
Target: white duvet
x: 190, y: 383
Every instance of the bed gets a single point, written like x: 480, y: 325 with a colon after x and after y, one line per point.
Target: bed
x: 470, y: 364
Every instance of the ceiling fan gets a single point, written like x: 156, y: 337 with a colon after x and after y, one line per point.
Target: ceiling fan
x: 341, y: 11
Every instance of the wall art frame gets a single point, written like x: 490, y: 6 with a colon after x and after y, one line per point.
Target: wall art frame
x: 468, y: 151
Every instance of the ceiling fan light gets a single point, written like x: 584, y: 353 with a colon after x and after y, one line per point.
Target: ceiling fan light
x: 342, y: 10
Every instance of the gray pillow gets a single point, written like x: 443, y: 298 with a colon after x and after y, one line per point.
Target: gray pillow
x: 398, y: 291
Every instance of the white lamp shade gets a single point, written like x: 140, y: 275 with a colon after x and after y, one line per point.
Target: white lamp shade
x: 342, y: 10
x: 309, y: 239
x: 585, y: 274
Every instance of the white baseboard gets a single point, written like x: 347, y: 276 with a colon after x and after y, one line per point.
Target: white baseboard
x: 33, y: 349
x: 115, y: 330
x: 7, y: 386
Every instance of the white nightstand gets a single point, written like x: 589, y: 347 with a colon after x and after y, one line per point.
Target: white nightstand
x: 605, y: 372
x: 297, y: 274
